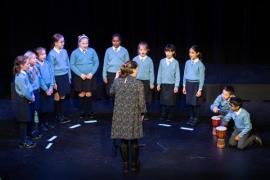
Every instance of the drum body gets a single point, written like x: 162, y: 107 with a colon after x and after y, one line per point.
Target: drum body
x: 221, y: 134
x: 215, y: 122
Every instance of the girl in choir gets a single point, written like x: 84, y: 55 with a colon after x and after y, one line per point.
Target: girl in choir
x: 168, y: 80
x: 58, y: 56
x: 193, y: 82
x: 115, y: 57
x: 84, y: 63
x: 145, y: 73
x: 37, y: 83
x: 24, y: 101
x: 46, y: 95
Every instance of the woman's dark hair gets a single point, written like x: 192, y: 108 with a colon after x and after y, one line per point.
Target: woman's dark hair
x: 56, y: 37
x: 236, y: 101
x: 128, y: 68
x: 117, y: 35
x: 197, y: 49
x: 170, y: 47
x: 229, y: 89
x: 19, y: 60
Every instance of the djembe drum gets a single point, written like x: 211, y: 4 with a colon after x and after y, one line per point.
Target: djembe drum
x: 215, y: 123
x: 221, y: 134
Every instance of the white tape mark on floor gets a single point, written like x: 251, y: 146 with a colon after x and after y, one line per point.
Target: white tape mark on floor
x: 165, y: 125
x: 74, y: 126
x: 52, y: 138
x: 49, y: 146
x: 188, y: 129
x: 90, y: 121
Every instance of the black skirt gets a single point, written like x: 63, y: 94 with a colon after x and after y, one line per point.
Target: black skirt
x: 167, y: 95
x: 36, y: 103
x: 147, y: 91
x: 191, y: 98
x: 25, y: 109
x: 47, y: 102
x: 63, y: 85
x: 86, y: 85
x: 110, y: 78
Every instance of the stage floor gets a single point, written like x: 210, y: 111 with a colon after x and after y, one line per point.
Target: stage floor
x: 85, y: 152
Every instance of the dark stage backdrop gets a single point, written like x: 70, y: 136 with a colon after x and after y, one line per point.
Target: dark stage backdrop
x: 227, y: 31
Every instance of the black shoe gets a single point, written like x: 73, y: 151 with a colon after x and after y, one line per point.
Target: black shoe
x: 82, y: 115
x: 194, y: 122
x: 43, y: 128
x: 62, y: 119
x: 49, y: 126
x: 190, y: 120
x: 36, y: 135
x: 258, y: 141
x: 27, y: 144
x: 90, y: 115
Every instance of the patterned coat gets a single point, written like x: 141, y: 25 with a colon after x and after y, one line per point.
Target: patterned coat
x: 128, y: 106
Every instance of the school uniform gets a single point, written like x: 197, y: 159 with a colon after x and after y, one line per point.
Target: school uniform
x: 168, y: 78
x: 46, y: 73
x: 146, y: 76
x: 193, y: 81
x: 222, y: 104
x: 61, y: 70
x: 242, y: 128
x: 113, y: 60
x: 62, y: 77
x: 84, y: 62
x: 24, y: 105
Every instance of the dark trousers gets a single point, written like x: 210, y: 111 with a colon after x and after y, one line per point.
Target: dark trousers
x: 245, y: 141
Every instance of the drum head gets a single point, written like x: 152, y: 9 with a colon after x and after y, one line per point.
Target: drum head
x: 221, y: 128
x: 217, y: 118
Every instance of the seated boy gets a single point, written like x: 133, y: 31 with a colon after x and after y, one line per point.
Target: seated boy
x: 221, y: 104
x: 242, y: 136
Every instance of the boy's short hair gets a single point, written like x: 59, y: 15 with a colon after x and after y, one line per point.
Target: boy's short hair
x: 229, y: 89
x: 236, y: 101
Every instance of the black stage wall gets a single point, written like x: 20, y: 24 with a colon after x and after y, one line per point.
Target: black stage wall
x: 229, y: 32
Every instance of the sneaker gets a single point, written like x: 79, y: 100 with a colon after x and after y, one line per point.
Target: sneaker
x: 258, y: 140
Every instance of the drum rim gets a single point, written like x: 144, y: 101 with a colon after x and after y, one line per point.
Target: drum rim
x: 221, y: 128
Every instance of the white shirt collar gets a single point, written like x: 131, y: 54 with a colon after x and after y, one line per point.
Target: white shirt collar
x: 195, y: 61
x: 238, y: 112
x: 40, y: 62
x: 168, y: 61
x: 22, y: 71
x: 57, y: 50
x: 116, y: 49
x: 83, y: 51
x: 142, y: 58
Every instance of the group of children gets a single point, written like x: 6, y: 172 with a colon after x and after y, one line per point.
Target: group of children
x: 228, y: 107
x: 42, y: 80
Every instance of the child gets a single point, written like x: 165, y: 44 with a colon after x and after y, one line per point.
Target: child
x: 241, y: 136
x: 24, y: 101
x: 145, y: 73
x: 193, y: 82
x: 115, y: 57
x: 59, y: 59
x: 84, y: 63
x: 46, y: 73
x: 37, y: 82
x: 221, y: 104
x: 168, y: 80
